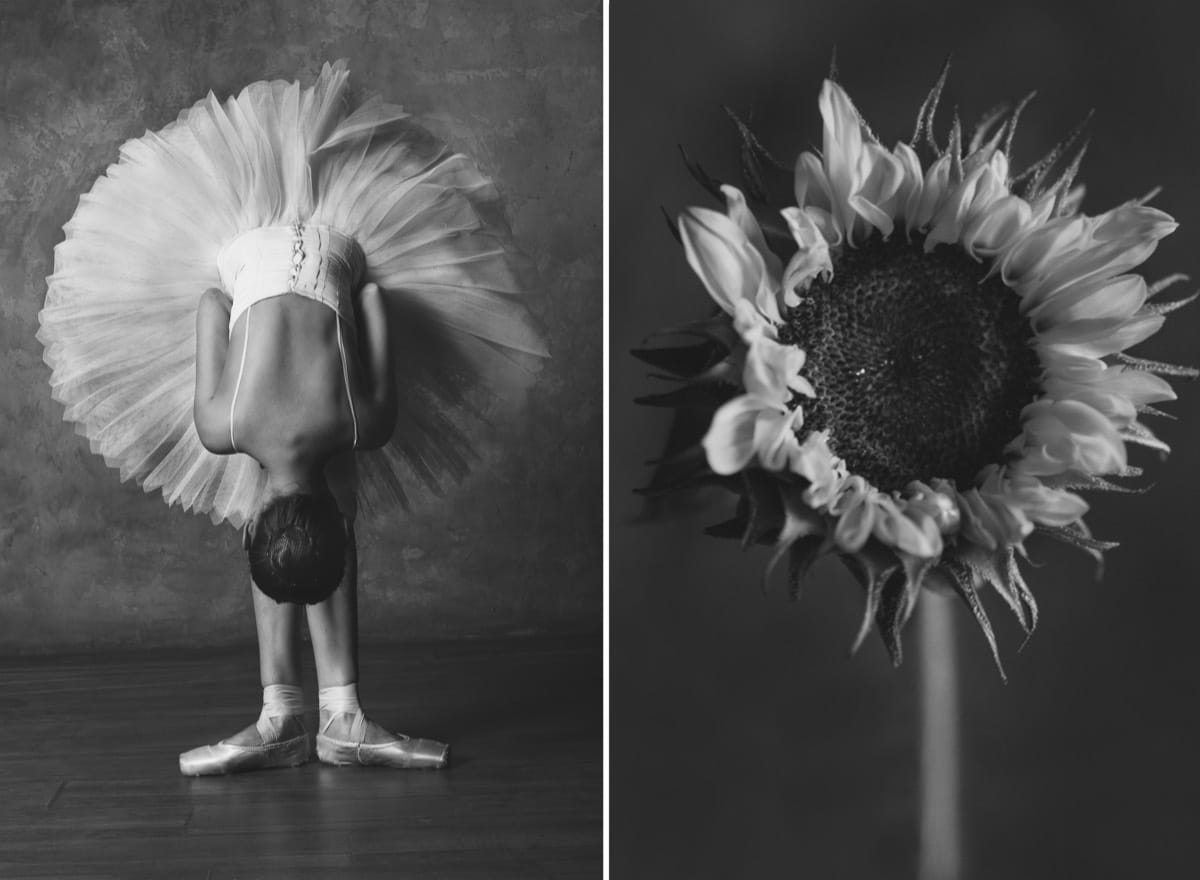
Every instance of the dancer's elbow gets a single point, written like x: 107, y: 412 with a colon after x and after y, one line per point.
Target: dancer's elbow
x: 213, y: 435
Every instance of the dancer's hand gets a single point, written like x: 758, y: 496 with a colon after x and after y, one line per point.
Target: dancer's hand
x: 379, y: 419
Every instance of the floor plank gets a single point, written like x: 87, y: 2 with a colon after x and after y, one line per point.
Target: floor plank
x: 91, y: 788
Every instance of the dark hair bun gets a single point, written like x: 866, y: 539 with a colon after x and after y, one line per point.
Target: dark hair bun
x: 297, y: 548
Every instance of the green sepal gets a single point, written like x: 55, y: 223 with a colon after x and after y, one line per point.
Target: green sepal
x: 683, y: 360
x: 801, y: 556
x: 755, y: 160
x: 1077, y: 535
x: 711, y: 184
x: 1147, y: 410
x: 672, y: 224
x: 966, y: 578
x: 899, y: 600
x: 1015, y: 583
x: 1159, y: 367
x: 799, y: 523
x: 731, y: 528
x: 1136, y: 432
x: 1092, y: 483
x: 682, y: 470
x: 873, y: 566
x: 699, y: 395
x: 764, y: 508
x: 1165, y: 308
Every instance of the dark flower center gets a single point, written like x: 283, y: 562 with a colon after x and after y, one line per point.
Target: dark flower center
x: 920, y: 370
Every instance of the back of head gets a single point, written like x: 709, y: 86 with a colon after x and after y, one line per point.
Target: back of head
x: 297, y: 548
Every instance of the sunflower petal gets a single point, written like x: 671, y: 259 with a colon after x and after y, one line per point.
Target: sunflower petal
x: 895, y: 529
x: 983, y: 186
x: 908, y: 195
x: 1062, y: 435
x: 1098, y: 337
x: 811, y: 260
x: 811, y: 185
x: 729, y: 443
x: 1027, y: 260
x: 814, y: 461
x: 1113, y: 298
x: 842, y: 146
x: 881, y: 176
x: 718, y: 251
x: 933, y: 191
x: 991, y: 231
x: 1119, y: 240
x: 856, y: 515
x: 740, y: 213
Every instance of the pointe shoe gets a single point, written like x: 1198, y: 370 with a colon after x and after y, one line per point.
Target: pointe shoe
x: 402, y: 753
x: 226, y: 757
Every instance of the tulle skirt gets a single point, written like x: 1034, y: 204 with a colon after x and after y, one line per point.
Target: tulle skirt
x: 118, y: 324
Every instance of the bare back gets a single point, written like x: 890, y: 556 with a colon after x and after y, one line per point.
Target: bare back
x: 297, y: 381
x: 296, y: 392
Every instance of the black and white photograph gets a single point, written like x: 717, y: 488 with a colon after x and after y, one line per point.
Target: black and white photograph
x: 301, y: 439
x: 562, y: 439
x: 904, y: 425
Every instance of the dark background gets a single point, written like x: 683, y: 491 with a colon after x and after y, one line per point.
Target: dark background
x: 744, y: 743
x: 86, y: 562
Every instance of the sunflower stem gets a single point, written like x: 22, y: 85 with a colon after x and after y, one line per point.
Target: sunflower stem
x: 940, y: 842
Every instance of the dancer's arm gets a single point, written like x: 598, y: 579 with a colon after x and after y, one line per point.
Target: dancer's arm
x: 375, y: 429
x: 212, y: 344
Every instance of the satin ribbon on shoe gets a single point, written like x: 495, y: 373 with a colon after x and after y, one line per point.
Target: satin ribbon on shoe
x: 275, y: 751
x: 403, y: 752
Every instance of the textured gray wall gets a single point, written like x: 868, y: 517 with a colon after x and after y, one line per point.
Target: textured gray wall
x: 86, y: 561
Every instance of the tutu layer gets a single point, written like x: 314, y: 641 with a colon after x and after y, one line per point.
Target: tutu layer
x: 119, y: 320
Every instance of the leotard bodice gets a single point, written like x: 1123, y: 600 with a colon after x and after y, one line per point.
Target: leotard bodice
x: 308, y: 260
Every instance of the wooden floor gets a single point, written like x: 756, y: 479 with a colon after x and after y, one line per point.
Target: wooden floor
x: 90, y: 786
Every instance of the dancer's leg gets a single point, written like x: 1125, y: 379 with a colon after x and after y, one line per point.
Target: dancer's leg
x: 333, y: 626
x: 343, y: 730
x: 278, y: 626
x: 278, y: 737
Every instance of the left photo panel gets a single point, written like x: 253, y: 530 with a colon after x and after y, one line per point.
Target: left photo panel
x: 301, y: 487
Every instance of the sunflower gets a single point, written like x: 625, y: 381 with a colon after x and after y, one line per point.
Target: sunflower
x: 919, y: 361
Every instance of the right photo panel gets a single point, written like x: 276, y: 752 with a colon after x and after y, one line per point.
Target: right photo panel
x: 903, y: 448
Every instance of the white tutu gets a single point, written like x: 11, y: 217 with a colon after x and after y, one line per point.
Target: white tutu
x: 119, y: 320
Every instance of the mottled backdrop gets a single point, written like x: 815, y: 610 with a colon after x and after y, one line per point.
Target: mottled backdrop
x: 88, y: 562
